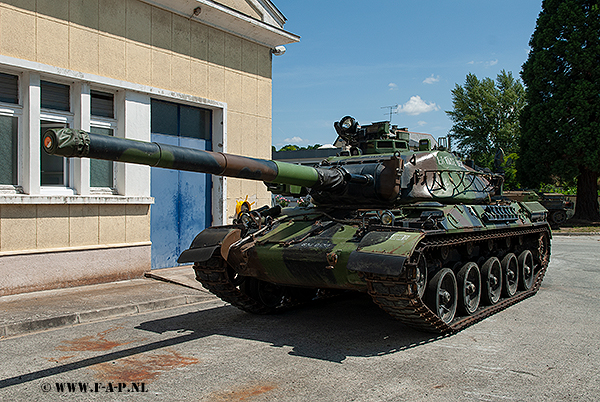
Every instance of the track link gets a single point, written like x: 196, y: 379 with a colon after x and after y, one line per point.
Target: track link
x: 212, y: 274
x: 398, y: 295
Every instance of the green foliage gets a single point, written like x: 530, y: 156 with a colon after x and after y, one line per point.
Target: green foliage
x: 281, y: 201
x: 486, y: 116
x: 510, y: 172
x: 561, y: 122
x: 289, y: 148
x: 297, y: 148
x: 559, y: 187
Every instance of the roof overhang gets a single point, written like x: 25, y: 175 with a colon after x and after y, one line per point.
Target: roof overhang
x: 228, y: 20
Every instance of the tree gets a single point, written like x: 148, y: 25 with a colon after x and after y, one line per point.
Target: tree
x: 289, y: 148
x: 486, y: 116
x: 561, y: 122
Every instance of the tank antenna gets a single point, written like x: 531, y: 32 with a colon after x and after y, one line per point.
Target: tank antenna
x: 392, y: 110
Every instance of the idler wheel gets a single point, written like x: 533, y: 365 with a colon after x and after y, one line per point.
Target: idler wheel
x: 469, y: 288
x: 491, y: 278
x: 525, y: 270
x: 442, y: 294
x: 510, y: 274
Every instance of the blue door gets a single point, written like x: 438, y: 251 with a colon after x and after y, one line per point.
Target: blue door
x: 182, y: 200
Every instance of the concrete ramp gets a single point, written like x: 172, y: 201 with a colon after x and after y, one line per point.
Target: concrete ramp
x: 183, y: 276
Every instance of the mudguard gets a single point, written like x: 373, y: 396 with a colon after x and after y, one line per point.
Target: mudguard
x: 209, y: 241
x: 384, y: 253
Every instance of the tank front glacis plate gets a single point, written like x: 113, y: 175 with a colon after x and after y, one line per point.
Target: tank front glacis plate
x: 309, y: 254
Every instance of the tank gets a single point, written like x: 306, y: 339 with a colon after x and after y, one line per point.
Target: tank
x: 432, y: 241
x: 558, y: 206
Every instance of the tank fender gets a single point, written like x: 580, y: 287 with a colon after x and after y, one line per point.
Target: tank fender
x: 210, y: 240
x: 384, y: 253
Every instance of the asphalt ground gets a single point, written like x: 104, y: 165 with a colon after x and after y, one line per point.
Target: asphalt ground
x: 546, y: 348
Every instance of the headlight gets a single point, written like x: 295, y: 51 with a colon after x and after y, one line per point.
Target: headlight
x: 348, y: 124
x: 387, y: 218
x: 246, y: 219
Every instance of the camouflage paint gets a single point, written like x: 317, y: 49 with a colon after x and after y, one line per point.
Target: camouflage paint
x: 77, y: 143
x: 290, y: 255
x: 381, y: 180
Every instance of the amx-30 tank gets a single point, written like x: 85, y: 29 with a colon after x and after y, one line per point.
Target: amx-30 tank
x: 432, y: 241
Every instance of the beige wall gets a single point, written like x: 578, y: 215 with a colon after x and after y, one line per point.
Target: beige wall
x: 131, y: 41
x: 136, y: 42
x: 27, y: 227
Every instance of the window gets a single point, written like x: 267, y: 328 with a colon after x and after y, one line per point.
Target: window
x: 180, y: 120
x: 55, y: 101
x: 8, y: 151
x: 9, y: 88
x: 102, y: 122
x: 55, y: 96
x: 54, y: 168
x: 9, y: 129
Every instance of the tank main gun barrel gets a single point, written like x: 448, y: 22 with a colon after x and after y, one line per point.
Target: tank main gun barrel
x: 378, y: 179
x: 77, y: 143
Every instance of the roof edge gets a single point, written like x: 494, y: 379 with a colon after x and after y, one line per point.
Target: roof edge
x: 230, y: 20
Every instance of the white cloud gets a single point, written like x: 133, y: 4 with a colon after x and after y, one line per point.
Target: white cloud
x: 431, y: 80
x: 392, y: 86
x: 421, y: 123
x: 489, y: 63
x: 416, y: 105
x: 293, y: 140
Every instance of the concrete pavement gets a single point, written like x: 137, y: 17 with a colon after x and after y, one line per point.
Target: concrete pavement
x: 37, y: 311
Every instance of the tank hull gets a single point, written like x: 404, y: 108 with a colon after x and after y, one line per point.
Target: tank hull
x: 307, y: 251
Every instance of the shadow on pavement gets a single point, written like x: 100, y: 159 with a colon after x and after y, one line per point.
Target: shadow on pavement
x: 328, y: 330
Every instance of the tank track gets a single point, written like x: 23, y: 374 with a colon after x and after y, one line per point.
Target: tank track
x: 398, y: 295
x: 212, y: 274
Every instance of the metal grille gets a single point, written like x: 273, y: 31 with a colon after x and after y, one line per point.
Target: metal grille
x: 9, y: 88
x: 103, y: 104
x: 55, y: 96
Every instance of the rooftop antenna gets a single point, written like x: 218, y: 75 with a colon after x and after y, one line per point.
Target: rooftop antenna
x: 392, y: 110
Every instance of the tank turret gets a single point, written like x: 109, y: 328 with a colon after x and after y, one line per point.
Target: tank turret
x: 381, y: 171
x: 416, y: 229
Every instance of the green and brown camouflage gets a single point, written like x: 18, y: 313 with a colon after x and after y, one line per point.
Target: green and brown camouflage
x: 430, y: 239
x: 370, y: 179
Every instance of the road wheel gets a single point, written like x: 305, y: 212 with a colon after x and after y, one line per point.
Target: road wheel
x: 491, y: 278
x: 442, y: 294
x: 525, y: 270
x: 469, y: 288
x: 510, y: 274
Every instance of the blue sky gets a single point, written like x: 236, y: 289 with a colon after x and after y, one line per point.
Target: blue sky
x: 355, y: 57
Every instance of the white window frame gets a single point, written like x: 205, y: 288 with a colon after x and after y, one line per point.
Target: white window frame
x: 107, y: 123
x: 132, y: 104
x: 62, y: 117
x: 68, y: 119
x: 14, y: 110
